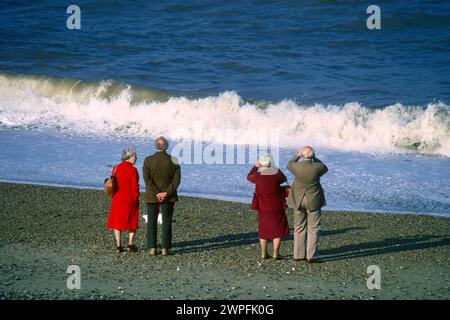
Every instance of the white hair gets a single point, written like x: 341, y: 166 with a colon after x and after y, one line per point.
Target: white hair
x: 265, y: 161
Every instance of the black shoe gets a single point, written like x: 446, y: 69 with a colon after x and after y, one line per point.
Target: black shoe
x: 132, y: 248
x: 313, y: 260
x: 302, y: 259
x: 119, y: 249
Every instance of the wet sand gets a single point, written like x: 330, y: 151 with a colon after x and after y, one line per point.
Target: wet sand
x: 43, y: 230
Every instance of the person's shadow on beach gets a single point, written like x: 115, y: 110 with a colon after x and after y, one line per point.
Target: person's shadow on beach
x: 216, y: 243
x: 237, y: 240
x: 352, y: 251
x: 386, y: 246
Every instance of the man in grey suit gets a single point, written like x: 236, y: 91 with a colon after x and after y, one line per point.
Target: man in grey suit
x: 307, y: 198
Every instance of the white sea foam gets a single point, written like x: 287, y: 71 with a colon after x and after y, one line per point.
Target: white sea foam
x: 107, y: 108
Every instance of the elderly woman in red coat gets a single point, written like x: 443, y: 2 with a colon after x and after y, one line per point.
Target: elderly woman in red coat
x: 269, y: 200
x: 124, y: 211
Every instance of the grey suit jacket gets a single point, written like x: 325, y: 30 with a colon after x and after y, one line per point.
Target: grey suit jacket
x: 307, y: 175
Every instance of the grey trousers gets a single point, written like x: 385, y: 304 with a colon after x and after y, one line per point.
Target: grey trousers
x: 306, y: 228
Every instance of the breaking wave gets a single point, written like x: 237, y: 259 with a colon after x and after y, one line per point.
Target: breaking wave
x: 108, y: 108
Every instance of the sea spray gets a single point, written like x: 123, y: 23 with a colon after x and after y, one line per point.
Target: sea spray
x: 107, y: 108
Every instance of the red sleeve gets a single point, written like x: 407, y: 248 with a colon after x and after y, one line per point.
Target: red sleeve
x: 135, y: 184
x: 251, y: 176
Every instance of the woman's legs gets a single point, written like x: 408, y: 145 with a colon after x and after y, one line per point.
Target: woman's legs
x: 131, y: 247
x: 263, y: 243
x: 131, y: 237
x: 117, y: 236
x: 276, y: 246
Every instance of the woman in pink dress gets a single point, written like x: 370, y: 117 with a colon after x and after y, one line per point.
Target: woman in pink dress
x: 269, y: 200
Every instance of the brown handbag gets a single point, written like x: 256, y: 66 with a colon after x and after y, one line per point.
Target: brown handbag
x: 110, y: 184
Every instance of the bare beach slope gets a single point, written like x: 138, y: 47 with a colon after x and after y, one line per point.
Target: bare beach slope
x: 44, y: 230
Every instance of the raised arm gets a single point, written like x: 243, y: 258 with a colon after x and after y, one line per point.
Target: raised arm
x: 251, y: 176
x: 322, y: 167
x: 290, y: 165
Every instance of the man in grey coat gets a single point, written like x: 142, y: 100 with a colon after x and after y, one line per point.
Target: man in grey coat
x: 307, y: 198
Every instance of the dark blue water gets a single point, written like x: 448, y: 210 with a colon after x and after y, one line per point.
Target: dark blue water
x: 309, y: 51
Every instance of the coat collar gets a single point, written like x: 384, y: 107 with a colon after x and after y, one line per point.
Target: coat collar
x: 269, y: 171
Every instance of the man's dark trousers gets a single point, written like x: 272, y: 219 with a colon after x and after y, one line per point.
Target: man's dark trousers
x: 152, y: 214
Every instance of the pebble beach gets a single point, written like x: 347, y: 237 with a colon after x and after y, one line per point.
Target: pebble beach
x: 215, y: 255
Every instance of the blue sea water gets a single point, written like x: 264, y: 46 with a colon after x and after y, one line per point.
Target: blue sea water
x: 315, y: 51
x: 374, y: 103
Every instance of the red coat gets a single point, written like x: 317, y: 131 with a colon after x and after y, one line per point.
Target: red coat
x: 270, y: 202
x: 124, y: 211
x: 269, y: 196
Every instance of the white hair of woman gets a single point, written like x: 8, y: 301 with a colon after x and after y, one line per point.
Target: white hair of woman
x: 265, y: 161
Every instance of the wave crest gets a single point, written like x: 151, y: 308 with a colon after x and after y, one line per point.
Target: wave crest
x: 107, y: 108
